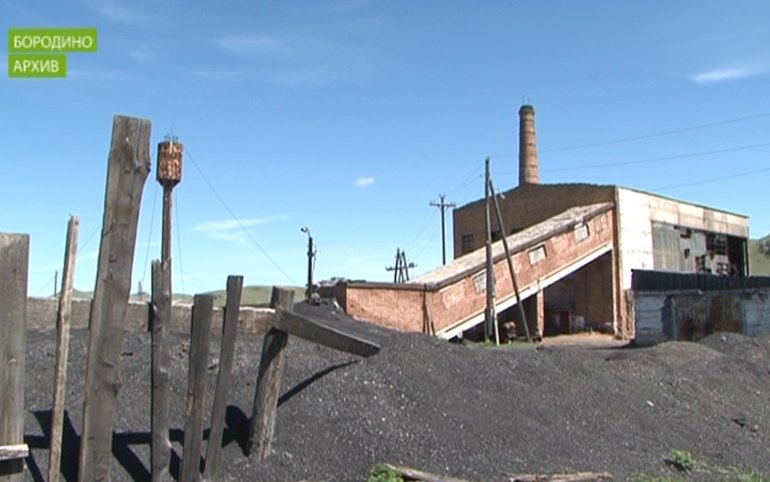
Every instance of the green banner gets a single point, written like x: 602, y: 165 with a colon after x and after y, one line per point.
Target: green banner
x: 37, y: 65
x: 48, y: 40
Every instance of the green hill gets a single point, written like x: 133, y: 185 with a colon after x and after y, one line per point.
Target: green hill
x: 759, y: 256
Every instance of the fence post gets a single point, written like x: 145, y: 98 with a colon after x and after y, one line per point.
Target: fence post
x: 62, y: 348
x: 203, y: 307
x: 269, y: 381
x: 229, y: 331
x: 14, y: 261
x: 159, y: 398
x: 128, y: 166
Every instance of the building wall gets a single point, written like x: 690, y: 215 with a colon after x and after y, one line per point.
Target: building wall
x: 523, y: 207
x: 41, y: 315
x: 441, y: 305
x: 691, y: 315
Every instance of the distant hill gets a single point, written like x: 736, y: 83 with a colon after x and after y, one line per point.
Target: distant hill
x: 759, y: 256
x: 252, y: 295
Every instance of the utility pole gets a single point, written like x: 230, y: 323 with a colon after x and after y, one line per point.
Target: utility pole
x: 55, y: 283
x: 310, y: 262
x: 490, y: 317
x: 401, y: 269
x: 442, y: 205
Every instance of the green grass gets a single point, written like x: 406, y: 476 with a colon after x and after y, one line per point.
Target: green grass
x: 381, y: 473
x: 759, y: 261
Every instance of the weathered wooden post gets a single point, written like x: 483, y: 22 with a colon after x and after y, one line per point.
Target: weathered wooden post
x: 200, y: 336
x: 128, y: 167
x: 62, y: 348
x: 226, y: 351
x: 14, y: 261
x: 159, y: 397
x: 269, y: 381
x: 168, y: 175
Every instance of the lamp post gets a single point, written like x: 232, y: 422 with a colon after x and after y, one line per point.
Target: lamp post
x: 310, y: 262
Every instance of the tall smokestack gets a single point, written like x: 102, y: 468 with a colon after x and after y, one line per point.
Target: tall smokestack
x: 528, y: 168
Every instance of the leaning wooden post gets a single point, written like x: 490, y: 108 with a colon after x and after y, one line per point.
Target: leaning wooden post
x: 14, y: 261
x: 62, y: 348
x: 128, y: 166
x: 203, y: 306
x: 229, y: 331
x: 159, y: 398
x: 515, y: 282
x: 269, y: 380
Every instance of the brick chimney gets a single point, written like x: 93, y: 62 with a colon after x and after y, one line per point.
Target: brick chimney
x: 528, y: 168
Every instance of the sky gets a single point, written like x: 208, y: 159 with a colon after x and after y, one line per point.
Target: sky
x: 351, y: 116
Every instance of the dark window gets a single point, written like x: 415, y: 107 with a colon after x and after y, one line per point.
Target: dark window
x: 497, y: 234
x: 467, y: 243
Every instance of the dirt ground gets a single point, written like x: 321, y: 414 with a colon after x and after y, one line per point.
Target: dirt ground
x: 476, y: 413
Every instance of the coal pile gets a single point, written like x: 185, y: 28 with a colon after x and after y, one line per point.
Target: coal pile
x: 469, y: 412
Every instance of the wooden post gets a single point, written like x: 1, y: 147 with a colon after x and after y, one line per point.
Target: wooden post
x: 62, y: 348
x: 226, y: 351
x: 515, y: 282
x: 14, y: 262
x: 269, y: 380
x: 128, y: 166
x: 200, y: 336
x: 159, y: 401
x: 490, y: 317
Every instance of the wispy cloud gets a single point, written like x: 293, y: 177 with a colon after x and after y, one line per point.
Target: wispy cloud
x: 98, y: 74
x: 363, y: 181
x: 232, y: 224
x: 121, y: 12
x: 220, y: 74
x: 143, y: 53
x: 726, y: 74
x: 254, y: 46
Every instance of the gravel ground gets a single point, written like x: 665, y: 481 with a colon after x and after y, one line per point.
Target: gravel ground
x: 469, y: 412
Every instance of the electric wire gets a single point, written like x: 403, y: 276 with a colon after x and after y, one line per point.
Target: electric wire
x: 713, y: 179
x: 149, y: 237
x: 178, y: 241
x: 238, y: 221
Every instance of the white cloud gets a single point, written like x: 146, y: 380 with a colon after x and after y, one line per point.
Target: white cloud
x: 252, y: 45
x: 725, y: 74
x: 363, y: 181
x: 216, y: 228
x: 120, y: 12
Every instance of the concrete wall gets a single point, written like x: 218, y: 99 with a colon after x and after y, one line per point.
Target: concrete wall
x: 41, y: 315
x: 413, y: 307
x: 691, y: 315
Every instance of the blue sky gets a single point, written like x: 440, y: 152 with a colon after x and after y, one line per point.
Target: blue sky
x: 350, y: 116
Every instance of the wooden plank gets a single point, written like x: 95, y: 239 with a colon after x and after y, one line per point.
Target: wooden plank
x: 14, y: 262
x: 574, y: 477
x: 11, y: 452
x: 226, y: 352
x: 128, y: 166
x: 269, y: 379
x: 62, y: 348
x: 159, y: 399
x: 307, y: 329
x: 203, y: 307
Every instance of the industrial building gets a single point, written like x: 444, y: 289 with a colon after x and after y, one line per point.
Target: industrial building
x: 573, y: 249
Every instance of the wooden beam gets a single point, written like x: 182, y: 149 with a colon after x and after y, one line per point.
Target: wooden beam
x: 203, y: 307
x: 14, y: 262
x: 574, y: 477
x: 128, y: 166
x: 12, y: 452
x: 159, y: 398
x: 62, y: 348
x: 307, y: 329
x: 226, y: 352
x: 269, y: 379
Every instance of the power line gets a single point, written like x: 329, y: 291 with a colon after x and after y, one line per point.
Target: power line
x: 713, y: 179
x: 654, y: 159
x: 149, y: 238
x: 179, y: 238
x: 238, y: 221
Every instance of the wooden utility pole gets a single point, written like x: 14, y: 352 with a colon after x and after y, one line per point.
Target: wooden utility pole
x: 443, y: 205
x: 168, y: 175
x: 62, y: 348
x: 401, y: 269
x: 310, y: 262
x: 515, y: 282
x: 14, y: 262
x: 490, y: 317
x: 128, y: 167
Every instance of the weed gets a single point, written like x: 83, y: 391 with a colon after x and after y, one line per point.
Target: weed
x: 381, y: 473
x: 681, y: 460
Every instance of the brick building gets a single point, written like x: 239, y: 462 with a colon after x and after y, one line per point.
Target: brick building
x: 649, y: 232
